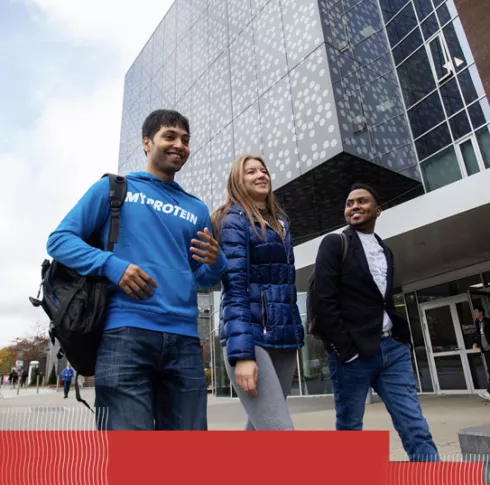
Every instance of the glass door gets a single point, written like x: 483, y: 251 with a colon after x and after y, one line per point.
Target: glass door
x: 450, y: 344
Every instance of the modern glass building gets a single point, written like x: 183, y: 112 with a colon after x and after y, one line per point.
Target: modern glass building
x: 330, y: 92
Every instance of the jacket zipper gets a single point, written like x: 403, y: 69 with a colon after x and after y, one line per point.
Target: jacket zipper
x: 265, y: 313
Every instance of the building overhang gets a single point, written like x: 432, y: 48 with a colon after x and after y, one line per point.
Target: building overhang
x: 442, y: 231
x: 315, y: 201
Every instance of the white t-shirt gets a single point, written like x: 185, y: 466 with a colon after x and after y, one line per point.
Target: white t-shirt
x: 378, y: 267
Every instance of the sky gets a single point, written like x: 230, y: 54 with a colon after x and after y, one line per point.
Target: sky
x: 62, y: 68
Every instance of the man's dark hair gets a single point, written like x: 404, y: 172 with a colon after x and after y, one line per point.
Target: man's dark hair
x: 163, y: 117
x: 479, y: 308
x: 368, y: 188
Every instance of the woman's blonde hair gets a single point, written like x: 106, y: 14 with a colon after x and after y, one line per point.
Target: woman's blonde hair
x: 237, y: 194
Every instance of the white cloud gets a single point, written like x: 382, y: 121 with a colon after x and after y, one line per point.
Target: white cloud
x: 75, y: 140
x: 122, y: 26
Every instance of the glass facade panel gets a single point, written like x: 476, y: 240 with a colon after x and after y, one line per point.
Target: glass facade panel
x: 451, y: 97
x: 477, y: 114
x: 445, y: 290
x: 401, y: 25
x: 426, y: 115
x: 416, y: 78
x: 430, y: 26
x: 444, y: 14
x: 460, y: 126
x: 469, y: 157
x: 391, y: 7
x: 440, y: 170
x: 483, y: 138
x: 423, y: 7
x: 434, y: 141
x: 419, y: 343
x: 467, y: 86
x: 441, y: 330
x: 450, y: 373
x: 407, y: 46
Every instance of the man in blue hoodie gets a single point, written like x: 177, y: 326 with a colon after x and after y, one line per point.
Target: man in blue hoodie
x: 149, y: 372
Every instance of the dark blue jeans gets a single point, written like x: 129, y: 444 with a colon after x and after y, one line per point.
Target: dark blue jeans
x: 389, y: 372
x: 146, y: 380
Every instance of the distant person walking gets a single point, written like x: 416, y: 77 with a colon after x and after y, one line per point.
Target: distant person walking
x: 67, y: 375
x: 482, y: 342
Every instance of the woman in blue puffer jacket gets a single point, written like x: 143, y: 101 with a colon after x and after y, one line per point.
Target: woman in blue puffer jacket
x: 260, y: 325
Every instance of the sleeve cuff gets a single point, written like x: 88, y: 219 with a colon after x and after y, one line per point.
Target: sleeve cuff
x: 221, y: 264
x: 114, y: 269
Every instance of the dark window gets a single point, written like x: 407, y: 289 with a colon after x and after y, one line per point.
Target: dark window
x: 416, y: 77
x: 444, y: 14
x: 434, y: 141
x: 455, y: 51
x: 441, y: 169
x: 430, y: 26
x: 407, y: 46
x: 467, y: 86
x: 426, y: 114
x: 483, y: 137
x: 451, y: 97
x: 469, y: 156
x: 401, y: 25
x: 477, y: 115
x: 460, y: 126
x: 391, y: 7
x: 423, y: 7
x: 438, y: 2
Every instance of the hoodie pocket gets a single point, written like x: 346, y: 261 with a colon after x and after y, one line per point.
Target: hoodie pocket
x: 265, y: 313
x: 176, y: 293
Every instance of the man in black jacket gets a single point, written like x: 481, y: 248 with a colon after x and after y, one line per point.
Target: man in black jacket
x: 482, y: 342
x: 366, y: 340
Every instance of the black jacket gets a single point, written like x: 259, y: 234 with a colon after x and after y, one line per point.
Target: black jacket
x: 486, y: 330
x: 348, y: 304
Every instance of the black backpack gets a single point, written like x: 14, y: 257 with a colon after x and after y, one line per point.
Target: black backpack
x: 77, y: 305
x: 310, y: 295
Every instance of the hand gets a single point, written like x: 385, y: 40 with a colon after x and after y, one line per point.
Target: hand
x: 246, y: 373
x: 475, y: 347
x: 210, y: 248
x: 135, y: 283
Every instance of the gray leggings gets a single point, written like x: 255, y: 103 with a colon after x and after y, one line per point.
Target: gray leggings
x: 268, y: 410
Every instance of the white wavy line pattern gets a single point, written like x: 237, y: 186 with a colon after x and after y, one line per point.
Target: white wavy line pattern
x: 62, y: 446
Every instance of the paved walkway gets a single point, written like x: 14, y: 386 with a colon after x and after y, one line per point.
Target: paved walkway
x: 445, y: 414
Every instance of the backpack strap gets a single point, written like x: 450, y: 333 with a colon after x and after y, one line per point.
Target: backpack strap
x: 78, y: 396
x: 117, y: 195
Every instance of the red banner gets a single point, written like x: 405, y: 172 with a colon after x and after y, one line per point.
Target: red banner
x: 218, y: 457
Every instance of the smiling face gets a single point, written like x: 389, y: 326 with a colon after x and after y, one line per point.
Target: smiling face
x: 256, y: 180
x: 361, y: 211
x: 167, y: 151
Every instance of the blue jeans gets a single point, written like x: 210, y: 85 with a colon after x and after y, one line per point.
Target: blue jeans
x: 389, y: 372
x: 146, y: 380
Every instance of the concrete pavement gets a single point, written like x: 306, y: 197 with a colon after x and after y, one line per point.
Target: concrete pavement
x: 445, y: 414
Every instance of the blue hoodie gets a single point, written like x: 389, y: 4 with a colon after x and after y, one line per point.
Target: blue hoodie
x: 157, y: 222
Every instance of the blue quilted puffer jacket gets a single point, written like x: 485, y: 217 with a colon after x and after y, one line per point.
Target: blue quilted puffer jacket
x: 258, y: 302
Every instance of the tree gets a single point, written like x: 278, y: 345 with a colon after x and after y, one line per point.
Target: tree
x: 7, y: 361
x: 33, y: 346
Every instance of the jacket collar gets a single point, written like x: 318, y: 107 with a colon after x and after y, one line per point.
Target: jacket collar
x: 360, y: 255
